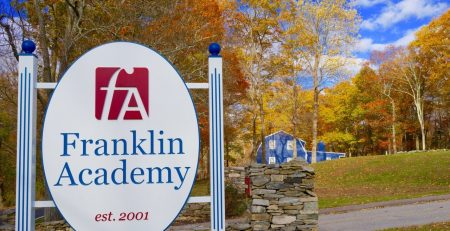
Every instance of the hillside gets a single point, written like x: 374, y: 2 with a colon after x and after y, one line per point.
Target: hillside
x: 368, y: 179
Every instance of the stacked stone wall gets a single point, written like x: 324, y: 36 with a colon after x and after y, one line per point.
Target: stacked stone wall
x: 283, y: 197
x: 236, y: 177
x: 200, y: 212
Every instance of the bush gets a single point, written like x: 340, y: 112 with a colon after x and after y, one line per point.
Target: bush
x: 235, y: 202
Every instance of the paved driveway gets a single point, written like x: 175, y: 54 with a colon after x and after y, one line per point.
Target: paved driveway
x: 387, y: 217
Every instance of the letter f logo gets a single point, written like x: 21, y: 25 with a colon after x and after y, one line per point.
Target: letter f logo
x: 121, y: 96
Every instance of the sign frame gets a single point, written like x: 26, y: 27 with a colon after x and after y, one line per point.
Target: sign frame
x: 26, y: 139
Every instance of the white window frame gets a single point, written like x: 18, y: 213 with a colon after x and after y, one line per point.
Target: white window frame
x: 272, y: 160
x: 290, y: 145
x: 272, y: 144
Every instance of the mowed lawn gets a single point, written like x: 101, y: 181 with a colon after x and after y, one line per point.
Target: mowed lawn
x: 368, y: 179
x: 435, y: 226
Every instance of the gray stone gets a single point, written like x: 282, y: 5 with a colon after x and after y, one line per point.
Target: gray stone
x: 311, y: 193
x: 310, y: 206
x: 258, y: 209
x: 277, y: 178
x: 263, y: 191
x: 260, y: 225
x: 260, y: 180
x: 271, y: 171
x: 277, y: 226
x: 291, y: 180
x: 283, y: 219
x: 260, y: 217
x: 260, y: 202
x: 308, y: 169
x: 308, y: 199
x: 270, y: 196
x: 277, y: 185
x: 288, y: 200
x: 296, y: 207
x: 291, y: 211
x: 240, y: 226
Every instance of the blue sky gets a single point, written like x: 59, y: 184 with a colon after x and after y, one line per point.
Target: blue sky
x: 387, y: 22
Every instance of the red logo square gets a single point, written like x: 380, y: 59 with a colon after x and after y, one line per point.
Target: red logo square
x: 121, y: 96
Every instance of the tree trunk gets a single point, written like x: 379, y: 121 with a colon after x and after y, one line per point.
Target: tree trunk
x: 394, y: 140
x: 294, y: 117
x: 227, y: 152
x: 254, y: 140
x: 263, y: 140
x: 419, y: 110
x: 315, y: 109
x: 43, y: 43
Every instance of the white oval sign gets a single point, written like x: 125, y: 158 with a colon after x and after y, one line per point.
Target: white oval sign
x: 120, y: 140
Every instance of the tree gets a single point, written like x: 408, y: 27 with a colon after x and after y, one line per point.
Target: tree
x: 255, y: 29
x: 387, y: 86
x: 321, y: 33
x: 411, y: 80
x: 432, y: 45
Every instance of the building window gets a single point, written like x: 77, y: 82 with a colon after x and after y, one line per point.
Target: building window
x: 289, y: 145
x: 272, y: 144
x: 272, y: 160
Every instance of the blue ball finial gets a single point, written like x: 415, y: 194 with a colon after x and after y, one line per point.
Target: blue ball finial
x: 214, y: 49
x: 28, y: 46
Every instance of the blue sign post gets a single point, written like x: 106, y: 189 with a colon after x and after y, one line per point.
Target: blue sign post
x: 26, y: 138
x: 216, y: 138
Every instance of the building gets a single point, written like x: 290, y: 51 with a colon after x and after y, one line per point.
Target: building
x: 280, y: 149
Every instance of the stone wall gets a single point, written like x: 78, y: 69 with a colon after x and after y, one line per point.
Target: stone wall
x: 194, y: 213
x: 283, y: 197
x: 236, y: 177
x: 200, y: 212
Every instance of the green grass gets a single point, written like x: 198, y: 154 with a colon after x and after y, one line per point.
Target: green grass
x: 380, y: 178
x: 429, y: 227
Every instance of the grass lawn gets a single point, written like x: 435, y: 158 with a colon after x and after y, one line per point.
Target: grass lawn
x: 429, y: 227
x: 368, y: 179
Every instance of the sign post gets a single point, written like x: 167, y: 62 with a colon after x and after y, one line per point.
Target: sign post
x: 120, y: 128
x: 26, y: 138
x: 216, y: 138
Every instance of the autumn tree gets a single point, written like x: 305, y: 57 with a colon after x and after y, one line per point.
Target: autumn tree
x: 387, y: 86
x: 255, y: 29
x: 432, y: 45
x: 321, y: 33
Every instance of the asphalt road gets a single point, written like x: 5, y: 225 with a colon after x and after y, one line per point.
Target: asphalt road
x: 387, y: 217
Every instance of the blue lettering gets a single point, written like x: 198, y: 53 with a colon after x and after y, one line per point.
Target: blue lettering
x: 137, y: 145
x: 80, y: 176
x: 123, y: 170
x: 69, y: 175
x: 66, y: 142
x: 134, y: 174
x: 181, y: 176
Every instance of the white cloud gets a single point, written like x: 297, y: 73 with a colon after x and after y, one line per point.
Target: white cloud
x: 353, y: 65
x: 392, y: 14
x: 367, y: 45
x: 407, y: 38
x: 368, y: 3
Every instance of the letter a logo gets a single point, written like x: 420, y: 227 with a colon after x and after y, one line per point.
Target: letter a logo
x: 121, y: 96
